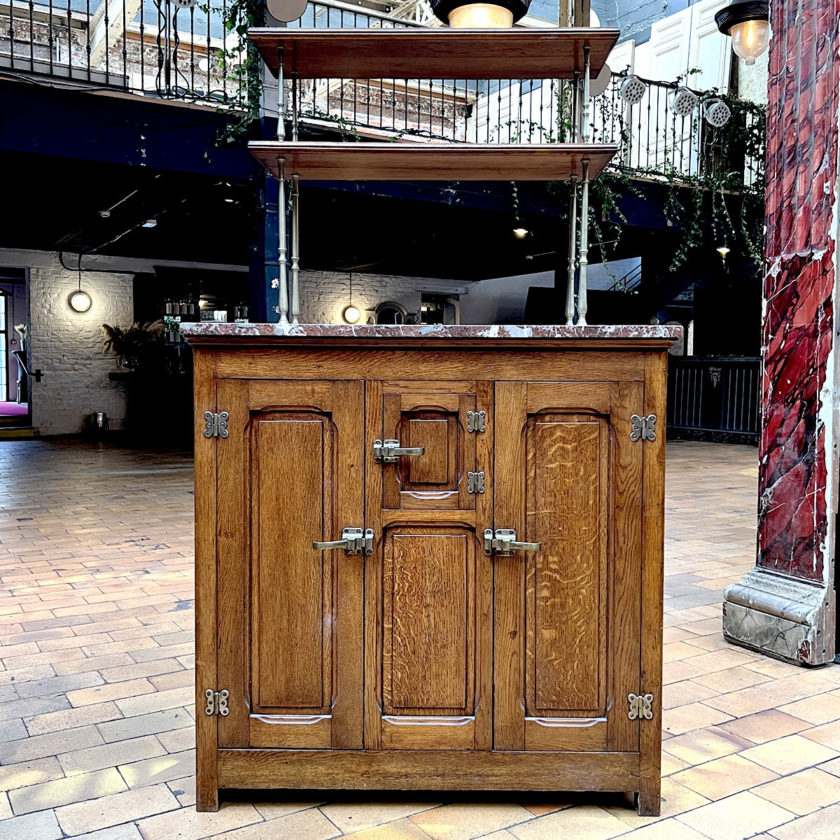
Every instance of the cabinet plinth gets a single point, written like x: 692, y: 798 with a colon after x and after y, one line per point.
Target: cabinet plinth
x: 425, y: 654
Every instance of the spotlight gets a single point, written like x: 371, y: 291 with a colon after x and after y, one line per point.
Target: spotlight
x: 520, y: 232
x: 632, y: 90
x: 683, y: 101
x: 716, y: 113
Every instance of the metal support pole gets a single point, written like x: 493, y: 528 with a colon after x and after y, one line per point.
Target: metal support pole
x: 584, y: 245
x: 281, y: 96
x: 570, y: 283
x: 295, y: 249
x: 295, y: 85
x: 575, y: 120
x: 586, y: 68
x: 282, y: 265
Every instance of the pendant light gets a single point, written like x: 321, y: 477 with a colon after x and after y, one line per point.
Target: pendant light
x: 748, y: 24
x: 351, y: 313
x: 501, y: 14
x: 80, y: 301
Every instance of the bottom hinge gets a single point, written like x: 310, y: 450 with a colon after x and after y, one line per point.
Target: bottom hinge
x: 641, y: 706
x: 216, y: 702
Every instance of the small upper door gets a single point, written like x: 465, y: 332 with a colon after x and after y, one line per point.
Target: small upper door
x: 428, y: 585
x: 567, y: 612
x: 290, y: 474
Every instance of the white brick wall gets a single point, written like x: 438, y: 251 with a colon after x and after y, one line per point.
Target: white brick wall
x: 67, y: 345
x: 324, y: 294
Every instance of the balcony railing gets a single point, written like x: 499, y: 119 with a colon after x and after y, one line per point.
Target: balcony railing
x: 158, y: 48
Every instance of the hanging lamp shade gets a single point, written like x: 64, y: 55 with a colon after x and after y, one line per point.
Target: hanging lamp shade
x: 748, y: 24
x: 497, y: 15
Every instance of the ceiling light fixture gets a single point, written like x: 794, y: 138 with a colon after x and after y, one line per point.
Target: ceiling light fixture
x: 520, y: 232
x: 748, y: 24
x: 150, y: 223
x: 723, y: 250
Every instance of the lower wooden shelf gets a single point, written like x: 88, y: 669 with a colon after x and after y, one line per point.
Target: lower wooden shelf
x: 336, y: 161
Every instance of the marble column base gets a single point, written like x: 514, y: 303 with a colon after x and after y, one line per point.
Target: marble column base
x: 785, y: 617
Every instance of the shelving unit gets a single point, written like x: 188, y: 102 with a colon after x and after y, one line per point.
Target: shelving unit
x: 436, y: 53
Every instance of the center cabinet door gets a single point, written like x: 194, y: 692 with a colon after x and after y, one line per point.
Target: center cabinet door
x: 290, y: 473
x: 567, y: 615
x: 428, y: 625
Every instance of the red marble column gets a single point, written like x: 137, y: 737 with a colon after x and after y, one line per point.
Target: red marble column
x: 798, y: 464
x: 799, y: 285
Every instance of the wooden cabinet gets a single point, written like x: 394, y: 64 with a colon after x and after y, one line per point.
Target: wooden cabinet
x: 498, y: 608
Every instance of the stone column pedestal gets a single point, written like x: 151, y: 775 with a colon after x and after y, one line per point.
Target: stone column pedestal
x: 785, y: 606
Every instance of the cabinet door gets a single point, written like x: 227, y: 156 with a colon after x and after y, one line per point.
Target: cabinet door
x: 428, y: 583
x: 289, y: 616
x: 567, y: 616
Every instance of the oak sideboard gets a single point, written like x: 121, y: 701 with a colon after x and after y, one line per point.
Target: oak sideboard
x: 429, y: 557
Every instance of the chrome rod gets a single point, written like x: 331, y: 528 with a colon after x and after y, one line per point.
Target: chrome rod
x: 295, y: 248
x: 282, y: 264
x: 584, y: 245
x: 570, y: 282
x: 586, y: 68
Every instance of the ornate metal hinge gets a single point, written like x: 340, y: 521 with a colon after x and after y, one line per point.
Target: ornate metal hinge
x: 476, y: 421
x: 215, y: 425
x: 641, y: 706
x: 475, y: 482
x: 216, y: 702
x: 642, y: 428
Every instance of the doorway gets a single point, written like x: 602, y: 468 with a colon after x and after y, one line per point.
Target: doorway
x: 14, y: 348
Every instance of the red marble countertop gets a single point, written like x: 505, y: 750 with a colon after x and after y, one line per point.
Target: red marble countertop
x: 210, y: 330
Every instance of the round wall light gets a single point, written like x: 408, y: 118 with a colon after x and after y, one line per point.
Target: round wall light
x: 351, y: 314
x: 748, y: 22
x: 80, y: 301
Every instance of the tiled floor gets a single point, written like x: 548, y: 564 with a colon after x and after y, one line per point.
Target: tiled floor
x: 96, y: 685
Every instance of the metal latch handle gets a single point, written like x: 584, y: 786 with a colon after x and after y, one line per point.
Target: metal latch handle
x: 503, y: 542
x: 353, y: 541
x: 389, y: 451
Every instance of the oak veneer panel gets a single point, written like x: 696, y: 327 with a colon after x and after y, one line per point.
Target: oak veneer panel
x: 427, y: 770
x: 566, y: 580
x: 431, y: 433
x: 292, y: 457
x: 408, y: 161
x: 570, y: 734
x: 406, y: 53
x: 429, y: 623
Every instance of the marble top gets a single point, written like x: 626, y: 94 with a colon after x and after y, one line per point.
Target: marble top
x: 213, y: 329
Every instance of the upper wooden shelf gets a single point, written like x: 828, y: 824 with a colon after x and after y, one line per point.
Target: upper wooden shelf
x: 317, y: 161
x: 515, y: 53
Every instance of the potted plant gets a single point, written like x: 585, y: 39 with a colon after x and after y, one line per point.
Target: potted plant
x: 137, y: 346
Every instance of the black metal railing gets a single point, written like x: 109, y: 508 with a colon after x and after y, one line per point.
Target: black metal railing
x: 161, y: 48
x: 714, y: 397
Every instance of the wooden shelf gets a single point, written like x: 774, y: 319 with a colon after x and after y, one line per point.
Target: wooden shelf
x: 515, y: 53
x: 316, y: 161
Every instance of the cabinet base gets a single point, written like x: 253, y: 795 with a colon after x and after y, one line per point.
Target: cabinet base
x: 429, y: 770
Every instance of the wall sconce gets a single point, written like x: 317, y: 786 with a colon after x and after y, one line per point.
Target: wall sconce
x: 748, y: 23
x: 80, y: 301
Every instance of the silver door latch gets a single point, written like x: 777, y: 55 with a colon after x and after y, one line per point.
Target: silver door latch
x: 389, y: 451
x: 353, y: 541
x: 503, y: 542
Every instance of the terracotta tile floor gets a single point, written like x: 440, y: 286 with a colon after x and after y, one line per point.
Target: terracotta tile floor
x: 96, y: 682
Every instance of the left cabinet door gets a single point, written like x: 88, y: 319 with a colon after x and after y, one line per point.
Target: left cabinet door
x: 290, y: 617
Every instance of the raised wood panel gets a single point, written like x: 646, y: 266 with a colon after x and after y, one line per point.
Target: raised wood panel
x: 291, y: 731
x: 566, y: 610
x: 408, y: 161
x: 433, y: 468
x: 292, y: 457
x: 429, y: 621
x: 432, y: 53
x: 412, y: 733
